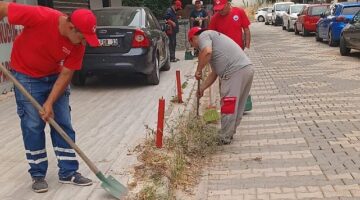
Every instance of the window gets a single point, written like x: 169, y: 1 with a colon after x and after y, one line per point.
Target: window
x: 317, y: 10
x: 350, y: 10
x: 121, y: 17
x: 157, y: 24
x: 296, y: 9
x: 357, y: 18
x: 282, y: 7
x: 305, y: 11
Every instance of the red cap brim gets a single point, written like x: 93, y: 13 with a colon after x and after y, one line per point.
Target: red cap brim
x: 92, y: 40
x: 219, y: 7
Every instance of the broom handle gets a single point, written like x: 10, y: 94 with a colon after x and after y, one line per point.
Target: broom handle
x: 198, y: 98
x: 51, y: 121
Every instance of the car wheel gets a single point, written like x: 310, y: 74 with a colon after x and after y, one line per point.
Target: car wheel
x: 331, y: 40
x: 317, y: 37
x: 261, y: 19
x: 167, y: 64
x: 78, y: 78
x: 344, y: 51
x: 154, y: 77
x: 288, y: 27
x: 296, y: 31
x: 266, y: 23
x: 283, y: 27
x: 305, y: 32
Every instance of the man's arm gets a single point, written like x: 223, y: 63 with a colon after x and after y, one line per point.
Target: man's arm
x: 204, y: 58
x: 207, y: 83
x: 3, y: 9
x: 58, y: 89
x: 247, y: 37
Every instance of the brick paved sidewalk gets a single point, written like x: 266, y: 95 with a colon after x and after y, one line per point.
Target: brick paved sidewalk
x: 301, y: 140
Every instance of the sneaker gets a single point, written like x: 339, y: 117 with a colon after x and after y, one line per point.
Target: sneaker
x: 174, y: 60
x: 76, y: 179
x: 223, y: 142
x: 39, y: 184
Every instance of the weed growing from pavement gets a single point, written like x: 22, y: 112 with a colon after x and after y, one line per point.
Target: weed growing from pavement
x: 178, y: 164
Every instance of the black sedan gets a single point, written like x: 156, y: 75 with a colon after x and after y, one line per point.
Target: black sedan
x: 350, y: 36
x: 132, y: 42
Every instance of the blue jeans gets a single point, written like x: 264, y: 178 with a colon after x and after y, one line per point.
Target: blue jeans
x: 32, y: 126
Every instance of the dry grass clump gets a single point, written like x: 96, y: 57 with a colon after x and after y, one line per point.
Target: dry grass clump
x: 178, y: 164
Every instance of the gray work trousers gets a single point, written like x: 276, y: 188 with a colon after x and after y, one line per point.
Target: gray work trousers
x: 236, y: 84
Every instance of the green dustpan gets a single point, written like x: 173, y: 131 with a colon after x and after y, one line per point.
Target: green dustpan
x: 110, y: 184
x: 211, y: 115
x: 188, y: 55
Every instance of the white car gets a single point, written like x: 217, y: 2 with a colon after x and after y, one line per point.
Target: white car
x: 278, y: 11
x: 268, y: 16
x: 260, y: 14
x: 290, y: 16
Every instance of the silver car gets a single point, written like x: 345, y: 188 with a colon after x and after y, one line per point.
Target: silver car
x: 260, y: 14
x: 290, y: 16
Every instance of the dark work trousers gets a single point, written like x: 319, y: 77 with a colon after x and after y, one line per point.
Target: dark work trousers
x: 172, y: 45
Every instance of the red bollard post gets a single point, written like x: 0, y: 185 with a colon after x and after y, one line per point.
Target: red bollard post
x: 160, y: 123
x: 178, y: 84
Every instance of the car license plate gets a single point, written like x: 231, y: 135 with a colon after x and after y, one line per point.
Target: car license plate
x: 108, y: 42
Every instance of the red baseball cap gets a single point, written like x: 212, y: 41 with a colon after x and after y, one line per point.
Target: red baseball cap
x: 219, y: 4
x: 178, y: 4
x: 193, y: 31
x: 85, y: 21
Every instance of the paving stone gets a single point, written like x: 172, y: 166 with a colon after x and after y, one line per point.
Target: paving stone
x: 302, y: 138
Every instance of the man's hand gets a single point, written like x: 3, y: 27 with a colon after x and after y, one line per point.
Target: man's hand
x: 200, y: 93
x: 198, y: 75
x: 58, y: 89
x: 3, y: 9
x: 47, y: 111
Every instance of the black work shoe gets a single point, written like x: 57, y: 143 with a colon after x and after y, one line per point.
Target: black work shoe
x: 76, y: 179
x: 223, y: 142
x: 39, y: 185
x: 174, y: 60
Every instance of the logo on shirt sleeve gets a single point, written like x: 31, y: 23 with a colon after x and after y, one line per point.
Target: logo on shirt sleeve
x: 66, y: 50
x: 236, y: 18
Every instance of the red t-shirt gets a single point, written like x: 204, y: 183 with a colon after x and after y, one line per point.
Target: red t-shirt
x: 231, y: 25
x: 40, y: 50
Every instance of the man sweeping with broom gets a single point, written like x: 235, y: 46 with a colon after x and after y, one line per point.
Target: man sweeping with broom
x: 43, y: 59
x: 228, y: 62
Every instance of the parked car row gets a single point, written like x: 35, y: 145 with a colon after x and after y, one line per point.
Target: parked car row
x: 338, y: 23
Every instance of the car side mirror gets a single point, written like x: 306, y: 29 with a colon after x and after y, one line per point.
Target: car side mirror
x: 298, y: 15
x: 272, y: 10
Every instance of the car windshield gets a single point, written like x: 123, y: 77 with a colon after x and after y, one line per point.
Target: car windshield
x: 118, y: 17
x: 282, y: 7
x: 296, y: 8
x: 317, y: 10
x: 350, y: 10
